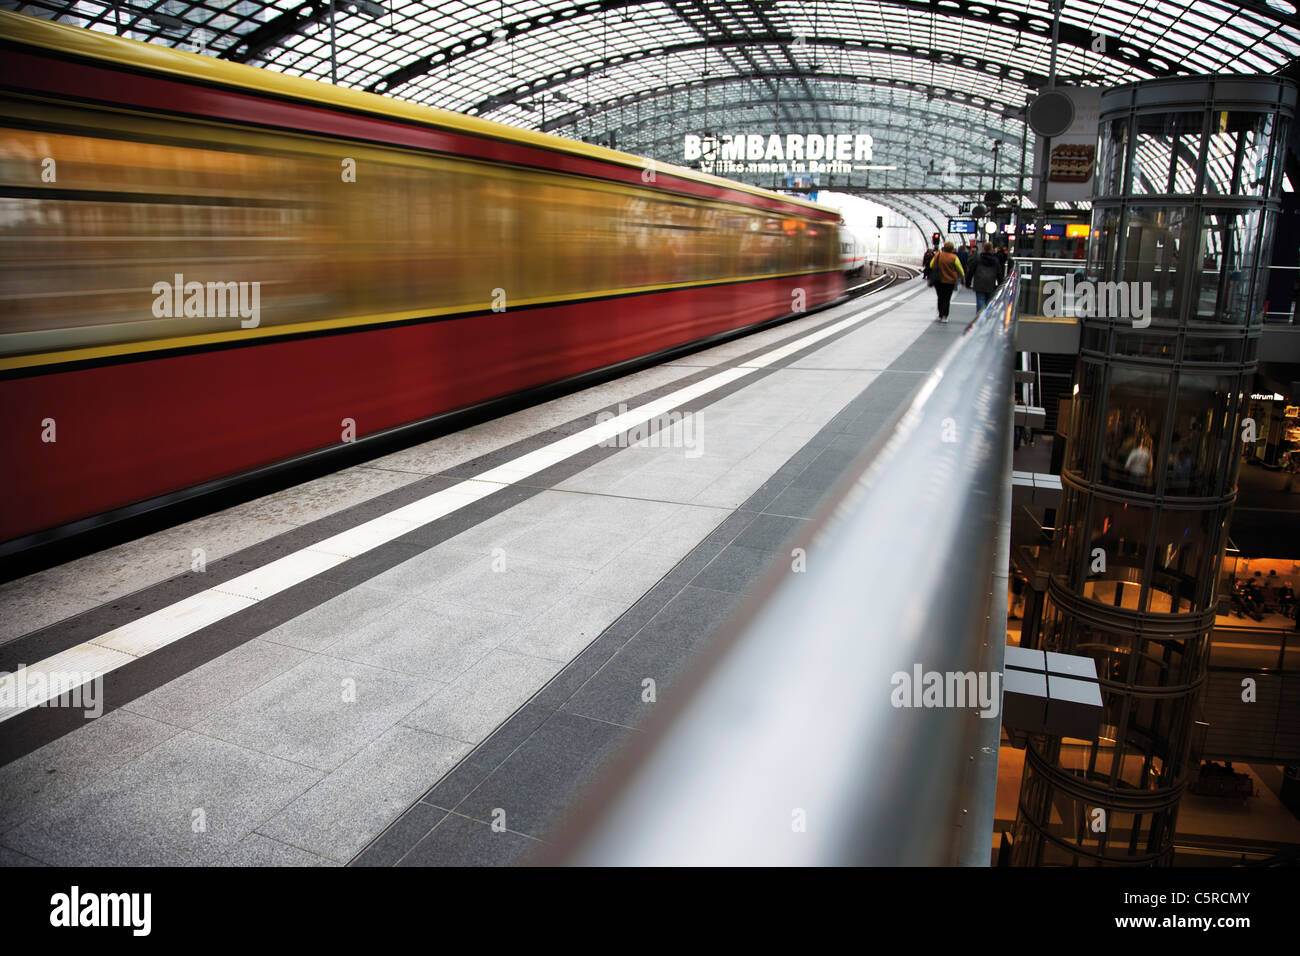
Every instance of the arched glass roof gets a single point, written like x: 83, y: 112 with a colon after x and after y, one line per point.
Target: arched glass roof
x: 937, y: 82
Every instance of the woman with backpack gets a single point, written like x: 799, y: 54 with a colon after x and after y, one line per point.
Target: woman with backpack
x: 985, y: 275
x: 945, y: 273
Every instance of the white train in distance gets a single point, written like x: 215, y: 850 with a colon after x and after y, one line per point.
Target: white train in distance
x: 854, y: 255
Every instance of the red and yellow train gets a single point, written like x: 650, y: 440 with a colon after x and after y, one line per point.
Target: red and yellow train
x: 207, y: 268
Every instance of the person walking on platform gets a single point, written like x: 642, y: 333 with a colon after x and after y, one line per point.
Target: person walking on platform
x: 947, y: 271
x: 928, y: 260
x: 986, y: 272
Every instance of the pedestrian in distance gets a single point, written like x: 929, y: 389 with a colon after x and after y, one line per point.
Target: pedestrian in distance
x: 985, y: 275
x: 947, y: 272
x: 1004, y: 262
x: 926, y: 261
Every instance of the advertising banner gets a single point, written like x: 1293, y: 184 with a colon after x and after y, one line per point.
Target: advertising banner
x: 1072, y: 162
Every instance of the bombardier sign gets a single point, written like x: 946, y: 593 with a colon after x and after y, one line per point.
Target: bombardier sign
x: 775, y: 152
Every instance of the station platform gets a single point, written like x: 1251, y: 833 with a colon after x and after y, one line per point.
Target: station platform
x: 424, y: 659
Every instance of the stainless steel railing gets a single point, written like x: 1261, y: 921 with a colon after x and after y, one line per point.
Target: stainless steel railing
x: 1038, y: 275
x: 785, y: 745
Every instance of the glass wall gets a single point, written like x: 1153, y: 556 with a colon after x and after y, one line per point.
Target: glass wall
x: 1227, y: 250
x: 1201, y: 444
x: 1113, y: 152
x: 1168, y: 152
x: 1154, y: 237
x: 1132, y: 443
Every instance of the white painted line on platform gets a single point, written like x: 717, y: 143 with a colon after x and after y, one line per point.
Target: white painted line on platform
x: 171, y: 623
x: 167, y: 625
x: 282, y: 574
x: 364, y: 537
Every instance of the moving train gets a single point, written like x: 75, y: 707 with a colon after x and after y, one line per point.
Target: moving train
x: 211, y: 271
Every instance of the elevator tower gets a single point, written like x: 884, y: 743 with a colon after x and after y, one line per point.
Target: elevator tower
x: 1171, y: 307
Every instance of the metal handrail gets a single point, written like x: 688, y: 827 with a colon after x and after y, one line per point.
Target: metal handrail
x: 1055, y: 270
x: 788, y: 717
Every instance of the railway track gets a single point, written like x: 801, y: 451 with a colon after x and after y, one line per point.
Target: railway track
x: 895, y: 272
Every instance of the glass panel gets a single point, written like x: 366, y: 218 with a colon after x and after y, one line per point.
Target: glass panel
x: 1261, y: 278
x: 1068, y: 567
x: 1179, y: 584
x: 1283, y: 128
x: 1240, y: 142
x: 1153, y: 241
x: 1095, y: 339
x: 1145, y: 345
x: 1200, y: 441
x: 1166, y: 152
x: 1053, y: 620
x: 1226, y: 252
x: 1083, y: 422
x: 1135, y: 414
x: 1103, y: 245
x: 1121, y: 531
x: 1152, y: 724
x: 1114, y: 141
x: 1151, y: 157
x: 1197, y: 348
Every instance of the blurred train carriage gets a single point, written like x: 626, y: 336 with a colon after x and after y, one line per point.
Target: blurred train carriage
x: 380, y: 236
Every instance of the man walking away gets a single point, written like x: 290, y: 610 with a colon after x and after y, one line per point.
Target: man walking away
x: 948, y: 272
x: 984, y: 278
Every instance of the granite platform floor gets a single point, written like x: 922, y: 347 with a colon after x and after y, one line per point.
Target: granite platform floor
x: 473, y: 672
